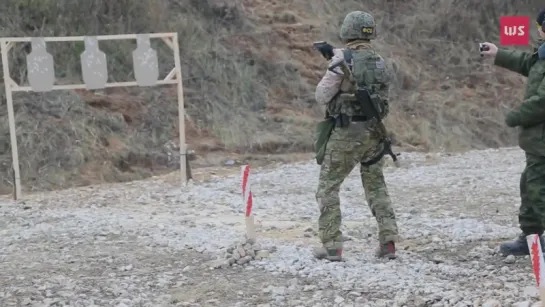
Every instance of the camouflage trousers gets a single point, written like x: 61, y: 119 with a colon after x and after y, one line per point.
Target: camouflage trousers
x: 348, y: 147
x: 532, y: 194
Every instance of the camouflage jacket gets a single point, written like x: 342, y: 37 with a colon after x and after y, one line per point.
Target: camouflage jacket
x: 530, y: 115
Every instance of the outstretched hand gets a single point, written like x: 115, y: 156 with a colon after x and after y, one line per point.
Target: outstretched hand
x: 490, y: 49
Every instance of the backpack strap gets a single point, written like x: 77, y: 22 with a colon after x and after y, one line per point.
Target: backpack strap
x: 347, y: 53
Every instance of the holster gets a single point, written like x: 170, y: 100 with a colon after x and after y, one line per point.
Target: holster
x: 342, y: 121
x: 323, y: 132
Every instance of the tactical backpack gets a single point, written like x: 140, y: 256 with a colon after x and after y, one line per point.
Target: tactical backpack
x: 370, y: 72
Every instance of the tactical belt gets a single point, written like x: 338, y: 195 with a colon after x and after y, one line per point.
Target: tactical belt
x: 358, y: 118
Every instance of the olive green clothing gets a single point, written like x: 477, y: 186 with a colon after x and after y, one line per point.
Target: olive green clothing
x: 532, y: 195
x: 529, y: 117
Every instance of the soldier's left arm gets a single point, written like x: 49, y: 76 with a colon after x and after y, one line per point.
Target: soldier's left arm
x: 531, y: 112
x: 386, y: 82
x: 384, y: 79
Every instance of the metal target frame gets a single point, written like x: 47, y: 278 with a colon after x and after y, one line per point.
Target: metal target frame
x: 174, y: 77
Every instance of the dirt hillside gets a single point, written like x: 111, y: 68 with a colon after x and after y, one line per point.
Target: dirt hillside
x: 249, y: 74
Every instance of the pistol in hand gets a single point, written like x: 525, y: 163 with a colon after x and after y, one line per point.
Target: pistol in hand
x: 324, y: 48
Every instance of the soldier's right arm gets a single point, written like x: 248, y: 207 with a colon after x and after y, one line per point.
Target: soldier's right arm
x: 331, y: 82
x: 516, y: 61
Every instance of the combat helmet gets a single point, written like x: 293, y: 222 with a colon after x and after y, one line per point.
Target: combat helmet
x: 358, y: 25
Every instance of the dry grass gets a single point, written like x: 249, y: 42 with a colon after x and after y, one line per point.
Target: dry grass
x: 249, y: 73
x: 446, y: 97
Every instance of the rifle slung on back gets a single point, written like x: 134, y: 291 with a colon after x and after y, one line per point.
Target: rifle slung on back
x: 370, y: 109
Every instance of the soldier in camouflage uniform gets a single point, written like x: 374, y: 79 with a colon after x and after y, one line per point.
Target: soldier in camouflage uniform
x: 354, y: 139
x: 529, y: 117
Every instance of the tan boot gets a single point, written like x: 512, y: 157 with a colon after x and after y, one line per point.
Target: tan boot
x: 387, y: 250
x: 331, y: 252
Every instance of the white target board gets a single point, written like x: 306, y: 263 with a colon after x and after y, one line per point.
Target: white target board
x: 41, y: 77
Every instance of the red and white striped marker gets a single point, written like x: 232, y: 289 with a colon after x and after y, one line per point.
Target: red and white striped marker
x: 247, y: 201
x: 538, y: 264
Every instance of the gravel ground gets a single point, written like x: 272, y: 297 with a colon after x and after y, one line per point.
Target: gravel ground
x: 152, y: 243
